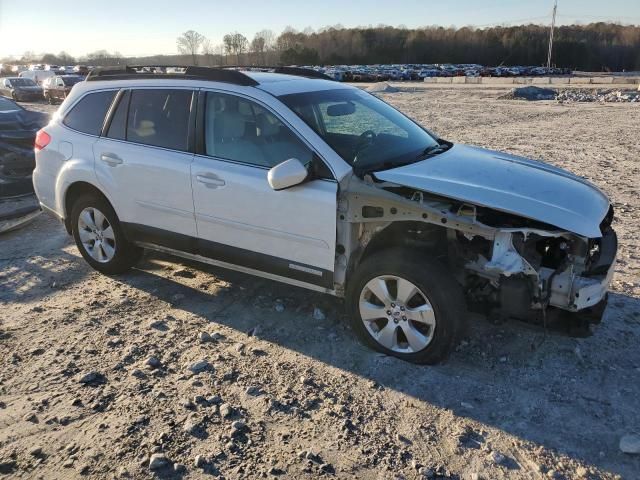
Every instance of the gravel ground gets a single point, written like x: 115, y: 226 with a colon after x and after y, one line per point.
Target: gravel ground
x: 183, y: 371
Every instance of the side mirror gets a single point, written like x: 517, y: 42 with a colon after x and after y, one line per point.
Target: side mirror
x: 287, y: 174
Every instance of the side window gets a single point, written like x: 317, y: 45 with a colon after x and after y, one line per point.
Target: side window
x: 59, y: 82
x: 88, y: 114
x: 241, y: 130
x: 118, y: 126
x: 160, y: 118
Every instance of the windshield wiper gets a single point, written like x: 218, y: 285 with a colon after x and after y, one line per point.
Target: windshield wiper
x: 386, y: 164
x: 434, y: 150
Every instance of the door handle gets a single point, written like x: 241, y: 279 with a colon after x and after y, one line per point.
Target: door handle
x: 111, y: 159
x: 210, y: 180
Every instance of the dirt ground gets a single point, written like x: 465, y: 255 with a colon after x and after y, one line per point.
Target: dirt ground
x: 95, y: 376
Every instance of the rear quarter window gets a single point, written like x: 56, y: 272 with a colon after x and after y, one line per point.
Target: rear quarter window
x: 87, y: 116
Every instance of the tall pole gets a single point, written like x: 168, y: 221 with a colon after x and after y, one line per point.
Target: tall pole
x: 553, y: 25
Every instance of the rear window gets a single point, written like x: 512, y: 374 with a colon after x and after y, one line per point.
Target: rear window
x: 160, y: 117
x: 70, y: 81
x: 87, y: 116
x: 22, y: 82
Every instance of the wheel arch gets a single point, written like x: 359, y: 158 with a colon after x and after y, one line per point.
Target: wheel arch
x: 75, y: 191
x: 431, y: 239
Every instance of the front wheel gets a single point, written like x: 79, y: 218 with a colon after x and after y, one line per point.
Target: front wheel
x: 407, y: 305
x: 99, y: 237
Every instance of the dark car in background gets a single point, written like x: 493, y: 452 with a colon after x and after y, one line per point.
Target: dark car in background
x: 57, y: 88
x: 18, y: 128
x: 20, y: 89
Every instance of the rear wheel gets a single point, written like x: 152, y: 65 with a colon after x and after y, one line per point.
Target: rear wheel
x: 406, y: 305
x: 99, y: 237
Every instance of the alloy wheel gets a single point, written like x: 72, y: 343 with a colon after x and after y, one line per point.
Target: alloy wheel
x: 96, y: 235
x: 397, y: 314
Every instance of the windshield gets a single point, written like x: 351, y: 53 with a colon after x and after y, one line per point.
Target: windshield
x: 22, y: 82
x: 366, y: 132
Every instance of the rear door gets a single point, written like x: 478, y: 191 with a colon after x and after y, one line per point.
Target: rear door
x: 241, y: 220
x: 143, y: 161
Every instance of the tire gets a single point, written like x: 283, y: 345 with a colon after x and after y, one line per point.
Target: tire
x: 434, y: 313
x: 112, y: 253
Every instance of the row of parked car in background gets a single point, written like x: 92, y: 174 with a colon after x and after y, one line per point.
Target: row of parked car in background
x: 40, y: 82
x: 417, y: 72
x: 347, y: 73
x: 54, y: 82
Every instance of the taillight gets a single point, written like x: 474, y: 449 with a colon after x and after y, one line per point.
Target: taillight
x: 42, y: 140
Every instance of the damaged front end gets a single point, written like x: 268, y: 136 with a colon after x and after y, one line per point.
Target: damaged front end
x: 528, y: 270
x: 508, y: 265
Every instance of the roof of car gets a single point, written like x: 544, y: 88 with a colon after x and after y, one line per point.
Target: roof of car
x: 282, y: 84
x: 273, y: 82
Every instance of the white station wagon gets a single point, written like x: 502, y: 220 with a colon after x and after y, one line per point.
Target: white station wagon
x: 296, y: 178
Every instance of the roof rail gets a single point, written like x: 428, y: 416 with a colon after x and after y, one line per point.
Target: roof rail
x: 228, y: 73
x: 303, y: 72
x: 159, y: 71
x: 296, y: 71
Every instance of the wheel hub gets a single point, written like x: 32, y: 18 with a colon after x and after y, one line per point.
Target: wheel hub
x: 396, y: 314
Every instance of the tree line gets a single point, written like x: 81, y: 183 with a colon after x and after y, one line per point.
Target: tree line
x: 592, y: 47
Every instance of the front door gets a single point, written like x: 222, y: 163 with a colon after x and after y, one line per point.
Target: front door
x: 240, y: 219
x: 144, y: 165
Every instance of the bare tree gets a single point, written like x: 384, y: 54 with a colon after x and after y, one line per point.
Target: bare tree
x: 208, y: 51
x: 258, y: 48
x: 240, y: 45
x: 235, y: 43
x: 262, y: 42
x: 219, y: 50
x: 189, y: 43
x: 28, y: 57
x: 227, y: 41
x: 269, y: 38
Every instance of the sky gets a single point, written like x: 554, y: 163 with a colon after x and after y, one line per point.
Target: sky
x: 143, y: 27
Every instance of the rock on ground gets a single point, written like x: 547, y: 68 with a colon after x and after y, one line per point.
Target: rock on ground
x: 382, y: 87
x: 532, y: 93
x: 630, y: 444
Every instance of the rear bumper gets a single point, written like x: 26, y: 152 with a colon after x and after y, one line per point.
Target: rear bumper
x: 25, y: 97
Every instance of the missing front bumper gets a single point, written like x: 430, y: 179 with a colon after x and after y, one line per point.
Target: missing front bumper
x: 576, y: 293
